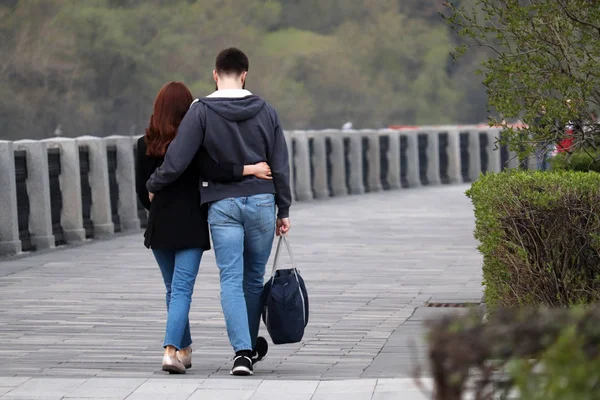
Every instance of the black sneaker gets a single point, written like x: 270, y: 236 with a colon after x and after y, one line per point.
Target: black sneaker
x: 242, y: 364
x: 260, y: 350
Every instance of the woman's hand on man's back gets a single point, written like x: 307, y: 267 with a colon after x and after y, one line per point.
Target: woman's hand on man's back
x: 261, y: 170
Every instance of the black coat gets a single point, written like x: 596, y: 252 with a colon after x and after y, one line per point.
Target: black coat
x: 176, y: 219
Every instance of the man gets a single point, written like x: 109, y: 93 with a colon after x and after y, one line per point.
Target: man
x: 233, y: 124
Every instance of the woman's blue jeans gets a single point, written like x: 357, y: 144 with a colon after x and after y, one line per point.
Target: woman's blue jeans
x: 179, y: 270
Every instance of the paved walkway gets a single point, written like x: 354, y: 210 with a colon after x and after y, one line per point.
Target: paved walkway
x: 88, y: 321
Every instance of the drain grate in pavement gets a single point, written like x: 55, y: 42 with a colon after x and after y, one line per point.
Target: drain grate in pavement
x: 452, y: 305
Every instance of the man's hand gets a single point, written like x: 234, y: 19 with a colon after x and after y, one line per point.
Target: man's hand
x: 283, y: 226
x: 151, y: 196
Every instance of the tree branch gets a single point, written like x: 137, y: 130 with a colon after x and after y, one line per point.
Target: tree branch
x: 572, y: 17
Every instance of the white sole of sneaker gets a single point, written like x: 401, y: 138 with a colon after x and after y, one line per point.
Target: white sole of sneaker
x: 241, y: 371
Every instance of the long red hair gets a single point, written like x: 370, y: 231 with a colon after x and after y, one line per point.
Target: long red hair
x: 170, y: 106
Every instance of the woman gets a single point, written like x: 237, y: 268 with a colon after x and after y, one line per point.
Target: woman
x: 177, y: 230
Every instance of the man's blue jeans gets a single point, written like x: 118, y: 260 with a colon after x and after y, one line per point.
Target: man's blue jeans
x: 179, y: 270
x: 242, y: 230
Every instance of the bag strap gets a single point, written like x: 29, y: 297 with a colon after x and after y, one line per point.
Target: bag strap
x: 284, y: 239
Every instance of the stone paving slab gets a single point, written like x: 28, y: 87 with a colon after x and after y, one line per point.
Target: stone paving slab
x: 218, y: 389
x: 371, y: 263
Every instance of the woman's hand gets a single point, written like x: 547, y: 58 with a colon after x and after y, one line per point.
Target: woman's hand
x: 261, y: 170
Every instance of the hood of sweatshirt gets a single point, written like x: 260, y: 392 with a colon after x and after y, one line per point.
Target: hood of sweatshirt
x: 235, y: 109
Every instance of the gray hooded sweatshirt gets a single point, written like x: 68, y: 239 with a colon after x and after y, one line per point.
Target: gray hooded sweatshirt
x: 232, y: 127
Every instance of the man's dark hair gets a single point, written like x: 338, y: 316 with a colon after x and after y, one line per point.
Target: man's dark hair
x: 231, y: 61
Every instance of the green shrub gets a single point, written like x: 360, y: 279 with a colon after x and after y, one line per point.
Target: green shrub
x: 539, y: 234
x: 580, y: 160
x: 539, y: 354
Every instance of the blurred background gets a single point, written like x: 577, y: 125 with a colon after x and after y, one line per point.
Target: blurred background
x: 93, y: 67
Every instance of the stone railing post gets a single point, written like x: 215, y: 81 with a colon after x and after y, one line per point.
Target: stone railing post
x: 318, y: 162
x: 9, y: 221
x: 38, y: 187
x: 513, y: 160
x: 494, y: 159
x: 393, y: 157
x: 302, y: 166
x: 355, y: 157
x: 70, y: 184
x: 288, y: 141
x: 413, y: 177
x: 474, y: 155
x: 529, y: 162
x: 373, y: 159
x: 433, y: 157
x: 142, y: 213
x: 126, y: 179
x: 101, y: 211
x: 337, y: 160
x: 532, y: 161
x: 453, y: 153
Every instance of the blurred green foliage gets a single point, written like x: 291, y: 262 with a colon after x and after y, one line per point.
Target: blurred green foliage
x: 538, y: 234
x: 517, y: 353
x: 584, y: 160
x: 542, y: 67
x: 95, y: 66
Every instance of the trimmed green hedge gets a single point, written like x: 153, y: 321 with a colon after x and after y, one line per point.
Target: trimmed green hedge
x: 539, y: 234
x: 583, y: 161
x: 539, y: 354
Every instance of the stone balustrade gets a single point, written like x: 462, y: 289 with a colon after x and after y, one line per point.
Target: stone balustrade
x: 60, y: 191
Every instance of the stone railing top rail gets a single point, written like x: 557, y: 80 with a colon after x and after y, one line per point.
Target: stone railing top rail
x: 87, y: 188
